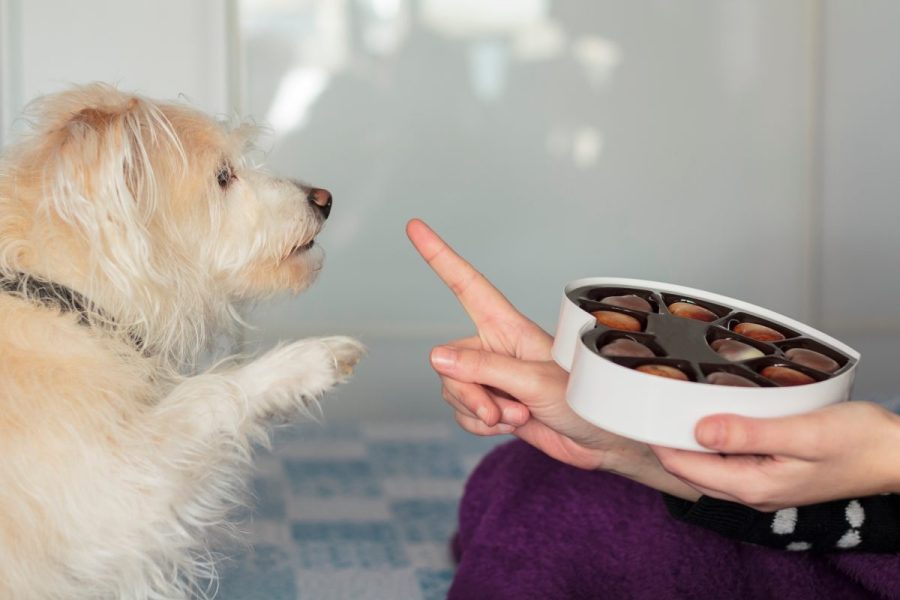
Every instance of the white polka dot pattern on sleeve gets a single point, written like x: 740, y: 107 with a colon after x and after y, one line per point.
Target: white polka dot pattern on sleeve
x: 785, y: 521
x: 856, y: 516
x: 799, y: 546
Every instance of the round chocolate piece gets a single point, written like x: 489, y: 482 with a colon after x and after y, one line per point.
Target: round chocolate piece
x: 723, y: 378
x: 626, y: 347
x: 734, y: 350
x: 786, y: 376
x: 812, y: 359
x: 758, y: 332
x: 632, y: 301
x: 662, y: 371
x: 617, y: 320
x: 692, y: 311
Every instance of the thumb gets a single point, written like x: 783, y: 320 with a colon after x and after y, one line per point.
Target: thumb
x: 733, y: 434
x: 521, y: 379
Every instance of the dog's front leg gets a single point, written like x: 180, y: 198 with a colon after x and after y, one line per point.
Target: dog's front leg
x: 281, y: 383
x: 198, y: 443
x: 291, y: 378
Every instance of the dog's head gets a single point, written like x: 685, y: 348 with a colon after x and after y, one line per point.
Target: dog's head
x: 151, y: 210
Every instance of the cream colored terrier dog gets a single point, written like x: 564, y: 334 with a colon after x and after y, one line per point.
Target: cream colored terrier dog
x: 130, y: 231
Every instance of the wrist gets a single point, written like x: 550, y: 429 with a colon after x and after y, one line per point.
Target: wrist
x: 629, y: 459
x: 637, y: 462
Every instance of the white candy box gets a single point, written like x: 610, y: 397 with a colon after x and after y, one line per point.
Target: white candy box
x: 803, y: 370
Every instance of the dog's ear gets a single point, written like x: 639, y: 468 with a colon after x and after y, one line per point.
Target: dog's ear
x: 101, y: 161
x: 94, y: 118
x: 101, y: 157
x: 103, y: 149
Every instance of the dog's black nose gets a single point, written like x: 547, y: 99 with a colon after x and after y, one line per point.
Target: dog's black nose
x: 321, y: 199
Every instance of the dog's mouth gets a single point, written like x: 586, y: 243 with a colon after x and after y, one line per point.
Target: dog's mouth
x: 301, y: 248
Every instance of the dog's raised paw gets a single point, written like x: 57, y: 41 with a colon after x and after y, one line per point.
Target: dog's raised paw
x: 303, y: 370
x: 347, y: 353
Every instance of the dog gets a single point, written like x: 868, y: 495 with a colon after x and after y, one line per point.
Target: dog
x: 132, y: 233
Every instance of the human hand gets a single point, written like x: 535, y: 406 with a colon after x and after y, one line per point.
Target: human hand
x: 845, y: 450
x: 500, y: 328
x: 540, y: 386
x: 503, y: 380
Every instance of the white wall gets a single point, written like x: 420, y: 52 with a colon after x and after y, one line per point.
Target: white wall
x: 861, y: 186
x: 162, y: 48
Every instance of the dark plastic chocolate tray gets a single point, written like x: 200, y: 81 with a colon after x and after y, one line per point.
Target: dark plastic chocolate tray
x: 685, y: 343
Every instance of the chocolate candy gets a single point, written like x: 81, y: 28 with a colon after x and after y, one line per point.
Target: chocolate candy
x: 617, y: 320
x: 758, y: 332
x: 812, y: 359
x: 692, y: 311
x: 626, y: 347
x: 723, y: 378
x: 676, y: 335
x: 786, y: 376
x: 632, y: 301
x: 663, y: 371
x: 734, y: 350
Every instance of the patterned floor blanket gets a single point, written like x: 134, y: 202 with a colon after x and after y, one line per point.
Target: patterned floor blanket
x: 354, y: 510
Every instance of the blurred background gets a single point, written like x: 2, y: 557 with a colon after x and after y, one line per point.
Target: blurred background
x: 740, y: 146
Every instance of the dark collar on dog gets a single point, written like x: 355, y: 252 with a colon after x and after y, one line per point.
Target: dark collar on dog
x: 56, y: 295
x: 48, y: 293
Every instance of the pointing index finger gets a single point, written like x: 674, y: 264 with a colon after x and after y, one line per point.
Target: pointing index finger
x: 478, y: 297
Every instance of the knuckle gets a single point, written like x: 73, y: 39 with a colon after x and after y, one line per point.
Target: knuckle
x: 446, y: 395
x: 451, y: 384
x: 873, y: 413
x: 540, y: 380
x: 481, y: 362
x: 739, y: 435
x: 465, y: 422
x: 459, y: 285
x: 462, y: 395
x: 472, y: 425
x: 816, y: 443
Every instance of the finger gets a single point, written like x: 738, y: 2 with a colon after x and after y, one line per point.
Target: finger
x: 524, y: 380
x: 512, y: 412
x: 471, y: 399
x: 484, y: 404
x: 476, y: 426
x: 479, y: 298
x: 472, y: 342
x: 556, y: 445
x: 739, y: 478
x: 797, y: 436
x: 454, y: 402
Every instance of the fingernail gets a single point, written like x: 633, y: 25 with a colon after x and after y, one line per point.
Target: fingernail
x: 510, y: 416
x: 482, y: 414
x: 504, y: 428
x: 443, y: 356
x: 711, y: 434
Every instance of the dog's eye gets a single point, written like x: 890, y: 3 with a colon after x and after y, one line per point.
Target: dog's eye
x: 225, y: 176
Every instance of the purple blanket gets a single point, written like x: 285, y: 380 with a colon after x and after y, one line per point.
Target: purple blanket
x: 531, y: 527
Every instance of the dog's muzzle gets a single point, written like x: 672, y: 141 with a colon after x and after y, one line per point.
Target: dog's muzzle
x: 322, y: 200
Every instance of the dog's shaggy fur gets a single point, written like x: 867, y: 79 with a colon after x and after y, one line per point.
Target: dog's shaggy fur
x: 115, y: 463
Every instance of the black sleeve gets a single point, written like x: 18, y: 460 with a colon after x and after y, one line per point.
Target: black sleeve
x: 870, y: 524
